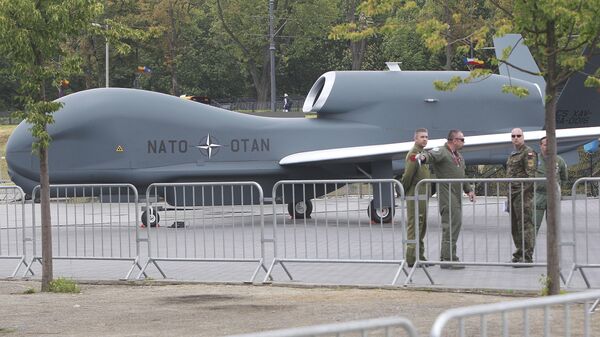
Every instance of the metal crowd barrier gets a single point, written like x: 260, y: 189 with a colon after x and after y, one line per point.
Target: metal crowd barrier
x: 205, y: 222
x: 90, y: 222
x: 484, y: 234
x: 329, y: 222
x: 585, y: 227
x: 385, y: 326
x: 519, y: 318
x: 12, y: 225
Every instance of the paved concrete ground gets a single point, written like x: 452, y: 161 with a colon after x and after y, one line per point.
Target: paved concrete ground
x: 337, y: 231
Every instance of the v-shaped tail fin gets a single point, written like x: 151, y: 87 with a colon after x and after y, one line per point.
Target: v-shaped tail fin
x: 520, y: 57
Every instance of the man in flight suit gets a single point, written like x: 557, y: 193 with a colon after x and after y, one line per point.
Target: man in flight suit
x: 414, y: 172
x: 521, y: 164
x: 448, y: 163
x: 540, y: 188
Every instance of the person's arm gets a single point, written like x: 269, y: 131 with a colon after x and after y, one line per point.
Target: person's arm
x: 467, y: 188
x: 431, y: 156
x: 563, y: 172
x: 410, y: 167
x: 469, y: 191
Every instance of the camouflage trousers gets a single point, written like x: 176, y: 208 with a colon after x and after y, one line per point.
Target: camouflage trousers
x: 540, y: 208
x: 410, y: 229
x: 539, y: 216
x: 522, y: 226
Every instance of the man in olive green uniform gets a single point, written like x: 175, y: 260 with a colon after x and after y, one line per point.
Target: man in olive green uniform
x: 414, y: 172
x: 448, y: 163
x: 521, y: 164
x: 540, y: 189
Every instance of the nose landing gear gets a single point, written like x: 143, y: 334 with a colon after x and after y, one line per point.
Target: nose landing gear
x: 301, y: 209
x: 150, y: 217
x: 380, y: 215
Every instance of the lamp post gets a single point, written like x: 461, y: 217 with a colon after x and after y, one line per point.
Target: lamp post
x: 106, y: 56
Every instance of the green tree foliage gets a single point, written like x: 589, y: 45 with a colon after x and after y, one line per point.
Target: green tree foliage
x: 205, y: 65
x: 402, y: 44
x: 243, y: 22
x: 455, y: 26
x: 8, y: 88
x: 409, y: 26
x: 117, y: 26
x: 178, y: 47
x: 33, y: 37
x: 189, y: 50
x: 358, y: 28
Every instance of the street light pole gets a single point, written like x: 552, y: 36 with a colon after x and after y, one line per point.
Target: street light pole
x: 272, y: 54
x: 106, y: 58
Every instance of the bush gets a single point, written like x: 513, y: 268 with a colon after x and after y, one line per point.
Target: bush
x: 63, y: 285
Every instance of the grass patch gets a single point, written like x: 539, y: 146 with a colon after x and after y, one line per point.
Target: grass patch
x: 63, y: 285
x: 29, y: 291
x: 545, y: 284
x: 7, y: 330
x: 5, y: 131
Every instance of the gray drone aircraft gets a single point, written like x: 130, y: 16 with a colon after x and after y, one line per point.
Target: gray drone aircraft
x: 364, y: 128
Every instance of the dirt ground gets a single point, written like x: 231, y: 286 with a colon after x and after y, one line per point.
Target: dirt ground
x: 160, y: 309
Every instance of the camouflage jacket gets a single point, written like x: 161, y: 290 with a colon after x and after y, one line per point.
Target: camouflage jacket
x: 521, y: 164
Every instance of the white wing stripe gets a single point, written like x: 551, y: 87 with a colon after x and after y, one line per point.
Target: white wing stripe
x: 395, y: 149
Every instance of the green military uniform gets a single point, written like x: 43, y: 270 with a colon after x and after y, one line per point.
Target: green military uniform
x: 541, y: 195
x: 413, y: 173
x: 522, y: 164
x: 449, y: 165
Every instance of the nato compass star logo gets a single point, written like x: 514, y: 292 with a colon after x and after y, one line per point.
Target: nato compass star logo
x: 209, y: 146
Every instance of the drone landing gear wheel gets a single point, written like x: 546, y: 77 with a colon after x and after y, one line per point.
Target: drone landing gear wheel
x: 380, y: 215
x: 301, y: 209
x: 150, y: 218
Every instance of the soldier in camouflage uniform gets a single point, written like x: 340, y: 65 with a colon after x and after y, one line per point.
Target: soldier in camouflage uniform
x: 448, y: 163
x: 540, y: 189
x: 521, y: 164
x: 414, y: 172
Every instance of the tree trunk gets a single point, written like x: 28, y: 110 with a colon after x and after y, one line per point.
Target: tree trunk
x: 172, y: 40
x: 358, y: 53
x: 449, y: 50
x: 262, y: 81
x: 47, y: 273
x: 90, y: 65
x: 553, y: 204
x: 357, y: 48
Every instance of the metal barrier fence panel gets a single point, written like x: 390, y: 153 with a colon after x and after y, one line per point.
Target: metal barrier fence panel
x: 561, y: 315
x: 12, y: 214
x: 385, y: 326
x: 585, y: 233
x: 480, y: 232
x: 209, y: 222
x: 338, y: 221
x: 90, y: 222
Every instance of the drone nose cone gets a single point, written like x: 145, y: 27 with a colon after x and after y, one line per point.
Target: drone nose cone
x: 19, y: 157
x: 20, y: 139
